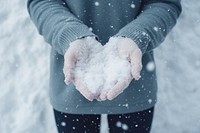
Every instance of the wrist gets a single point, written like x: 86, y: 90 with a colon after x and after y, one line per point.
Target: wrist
x: 140, y: 37
x: 125, y: 40
x: 81, y: 39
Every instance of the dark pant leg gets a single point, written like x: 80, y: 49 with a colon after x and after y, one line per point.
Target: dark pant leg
x: 138, y: 122
x: 77, y: 123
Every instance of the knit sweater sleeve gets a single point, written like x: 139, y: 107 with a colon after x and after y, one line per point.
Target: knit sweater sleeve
x: 56, y: 23
x: 156, y: 19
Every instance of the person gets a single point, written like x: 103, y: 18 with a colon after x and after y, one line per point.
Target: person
x: 138, y: 26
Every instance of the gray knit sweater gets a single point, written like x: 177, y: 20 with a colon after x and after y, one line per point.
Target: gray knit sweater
x: 60, y: 22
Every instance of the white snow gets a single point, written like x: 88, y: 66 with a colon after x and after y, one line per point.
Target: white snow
x: 124, y: 126
x: 155, y: 28
x: 150, y: 101
x: 96, y: 3
x: 24, y: 73
x: 63, y: 124
x: 103, y: 67
x: 150, y: 66
x: 119, y: 124
x: 132, y: 5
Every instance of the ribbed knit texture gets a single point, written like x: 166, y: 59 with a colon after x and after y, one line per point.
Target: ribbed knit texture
x: 70, y: 34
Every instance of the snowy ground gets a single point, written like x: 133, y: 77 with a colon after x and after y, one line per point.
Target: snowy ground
x: 24, y: 72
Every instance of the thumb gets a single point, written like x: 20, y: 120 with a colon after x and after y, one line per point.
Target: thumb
x: 136, y: 64
x: 69, y: 65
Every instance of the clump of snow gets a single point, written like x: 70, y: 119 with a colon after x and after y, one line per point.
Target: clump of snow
x: 103, y: 67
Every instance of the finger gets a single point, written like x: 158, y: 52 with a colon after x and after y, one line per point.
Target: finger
x: 98, y: 98
x: 103, y: 95
x: 136, y: 64
x: 84, y: 90
x: 116, y: 90
x: 69, y: 65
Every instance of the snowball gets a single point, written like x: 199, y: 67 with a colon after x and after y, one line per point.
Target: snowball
x: 102, y: 68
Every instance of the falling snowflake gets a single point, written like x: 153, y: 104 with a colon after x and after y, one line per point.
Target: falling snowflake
x: 96, y: 3
x: 124, y: 127
x: 150, y: 101
x: 125, y: 105
x: 119, y: 124
x: 90, y: 28
x: 111, y: 26
x: 150, y: 66
x: 155, y: 28
x: 132, y: 5
x: 63, y: 124
x: 144, y: 33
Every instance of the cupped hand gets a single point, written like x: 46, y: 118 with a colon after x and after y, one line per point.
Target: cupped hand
x: 79, y: 48
x: 127, y: 49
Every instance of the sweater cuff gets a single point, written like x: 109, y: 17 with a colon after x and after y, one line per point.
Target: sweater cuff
x: 141, y: 38
x: 70, y: 34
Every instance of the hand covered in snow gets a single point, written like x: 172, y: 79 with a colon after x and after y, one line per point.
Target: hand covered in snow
x: 126, y: 49
x: 129, y: 50
x: 79, y: 48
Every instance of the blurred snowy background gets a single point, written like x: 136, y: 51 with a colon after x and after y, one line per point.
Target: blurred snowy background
x: 24, y: 73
